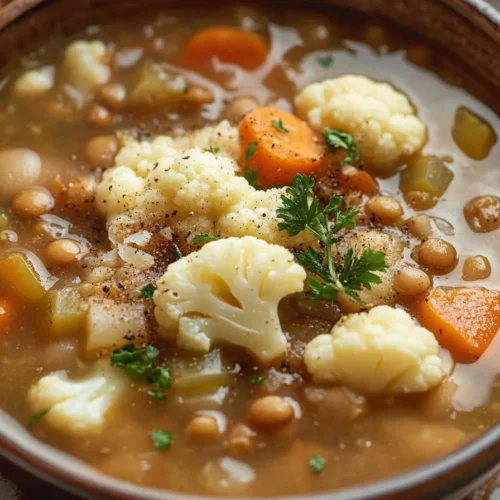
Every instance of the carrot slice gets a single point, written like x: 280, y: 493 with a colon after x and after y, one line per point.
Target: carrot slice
x: 230, y: 45
x: 278, y: 145
x: 464, y: 320
x: 353, y: 179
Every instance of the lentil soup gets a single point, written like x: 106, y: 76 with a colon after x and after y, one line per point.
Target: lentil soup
x: 247, y: 243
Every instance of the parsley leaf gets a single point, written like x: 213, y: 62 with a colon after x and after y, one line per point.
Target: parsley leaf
x: 162, y: 439
x: 256, y: 380
x: 252, y: 147
x: 279, y: 125
x: 317, y: 464
x: 175, y: 251
x: 336, y: 139
x: 34, y: 419
x: 140, y: 365
x: 147, y: 292
x: 324, y: 61
x: 301, y: 211
x: 203, y: 238
x: 212, y: 149
x: 251, y: 177
x: 159, y: 395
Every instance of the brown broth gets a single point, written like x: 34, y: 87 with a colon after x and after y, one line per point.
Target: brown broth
x: 360, y: 443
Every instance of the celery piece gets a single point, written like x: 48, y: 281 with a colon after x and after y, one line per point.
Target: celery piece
x: 426, y: 173
x: 472, y: 134
x: 157, y: 86
x: 66, y: 312
x: 18, y: 275
x: 203, y: 376
x: 4, y: 221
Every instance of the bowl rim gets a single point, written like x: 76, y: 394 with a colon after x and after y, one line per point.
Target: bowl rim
x: 59, y: 468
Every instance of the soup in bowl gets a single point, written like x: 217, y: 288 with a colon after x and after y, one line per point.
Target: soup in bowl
x: 250, y: 252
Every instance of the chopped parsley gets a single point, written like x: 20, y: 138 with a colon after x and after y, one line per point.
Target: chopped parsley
x: 175, y: 251
x: 157, y: 394
x: 336, y: 139
x: 213, y: 149
x: 317, y: 464
x: 203, y: 238
x: 147, y: 292
x: 279, y: 125
x: 256, y: 380
x: 251, y: 177
x: 324, y: 61
x: 162, y: 439
x: 34, y: 419
x: 141, y: 366
x: 252, y: 147
x: 301, y: 211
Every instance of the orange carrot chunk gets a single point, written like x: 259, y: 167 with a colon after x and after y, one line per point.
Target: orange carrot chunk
x: 230, y: 45
x: 278, y: 145
x: 464, y: 320
x: 353, y: 179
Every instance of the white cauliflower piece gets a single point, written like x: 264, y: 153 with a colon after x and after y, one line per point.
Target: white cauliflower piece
x: 83, y: 66
x: 381, y: 351
x: 229, y: 292
x: 381, y: 120
x: 34, y: 83
x: 77, y: 408
x: 378, y: 241
x: 160, y: 177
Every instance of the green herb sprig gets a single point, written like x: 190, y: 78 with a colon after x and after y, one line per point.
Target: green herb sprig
x: 336, y: 139
x: 203, y: 238
x: 279, y: 125
x: 162, y: 439
x: 140, y: 365
x: 301, y: 211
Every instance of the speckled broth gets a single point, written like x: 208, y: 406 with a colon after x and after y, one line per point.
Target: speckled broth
x: 391, y: 435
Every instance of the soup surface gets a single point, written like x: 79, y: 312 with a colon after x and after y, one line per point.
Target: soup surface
x: 214, y: 388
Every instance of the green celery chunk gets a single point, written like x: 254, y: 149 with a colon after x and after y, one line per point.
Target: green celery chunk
x: 18, y: 275
x: 67, y: 312
x: 426, y: 173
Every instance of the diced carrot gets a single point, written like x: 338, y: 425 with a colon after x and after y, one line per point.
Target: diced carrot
x: 8, y: 312
x: 278, y: 145
x: 228, y: 44
x: 354, y: 179
x: 464, y: 320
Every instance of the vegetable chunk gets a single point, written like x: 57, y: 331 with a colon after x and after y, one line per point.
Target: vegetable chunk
x: 464, y: 320
x: 278, y: 145
x: 227, y: 44
x: 18, y: 275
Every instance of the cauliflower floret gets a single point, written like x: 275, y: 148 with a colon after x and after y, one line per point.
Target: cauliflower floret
x: 229, y: 291
x: 118, y: 191
x: 161, y: 177
x: 381, y: 119
x: 378, y: 241
x: 34, y: 83
x: 77, y: 407
x: 83, y: 66
x: 381, y: 351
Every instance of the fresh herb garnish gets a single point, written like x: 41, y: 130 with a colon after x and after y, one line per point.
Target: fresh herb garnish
x: 256, y: 380
x: 175, y: 251
x: 279, y: 125
x: 317, y: 464
x: 157, y: 394
x: 203, y: 238
x: 147, y: 292
x: 162, y: 439
x: 252, y: 147
x: 336, y: 139
x: 251, y: 177
x: 324, y: 61
x: 301, y: 211
x: 34, y: 419
x: 213, y: 149
x: 140, y: 365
